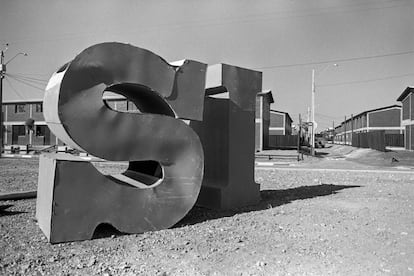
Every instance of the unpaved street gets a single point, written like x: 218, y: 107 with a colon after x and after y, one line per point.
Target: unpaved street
x: 309, y: 222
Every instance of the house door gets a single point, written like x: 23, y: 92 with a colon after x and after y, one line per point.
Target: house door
x: 19, y: 136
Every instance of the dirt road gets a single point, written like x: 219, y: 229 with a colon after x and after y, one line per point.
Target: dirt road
x: 309, y: 222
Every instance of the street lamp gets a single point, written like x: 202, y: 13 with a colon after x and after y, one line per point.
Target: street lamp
x: 2, y: 75
x: 313, y: 108
x: 21, y: 53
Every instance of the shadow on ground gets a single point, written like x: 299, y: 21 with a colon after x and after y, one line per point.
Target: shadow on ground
x: 4, y: 212
x: 105, y: 230
x: 269, y: 199
x: 319, y: 153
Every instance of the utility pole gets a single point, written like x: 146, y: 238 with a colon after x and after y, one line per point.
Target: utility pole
x: 345, y: 131
x: 299, y: 136
x: 2, y: 72
x: 352, y: 128
x: 313, y: 108
x: 333, y: 132
x: 313, y: 114
x: 2, y: 76
x: 308, y: 125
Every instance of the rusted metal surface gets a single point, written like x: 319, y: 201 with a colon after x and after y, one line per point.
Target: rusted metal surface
x: 166, y: 157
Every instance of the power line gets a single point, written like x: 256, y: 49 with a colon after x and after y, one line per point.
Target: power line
x: 327, y: 116
x: 365, y: 81
x: 336, y: 60
x: 33, y: 74
x: 28, y: 78
x: 15, y: 91
x: 26, y: 83
x: 249, y: 18
x: 31, y: 81
x: 293, y: 14
x: 322, y: 122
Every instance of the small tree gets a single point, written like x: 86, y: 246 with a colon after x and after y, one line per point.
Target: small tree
x: 30, y: 123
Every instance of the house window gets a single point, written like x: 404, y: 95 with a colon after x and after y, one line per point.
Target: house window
x: 40, y: 130
x: 39, y: 108
x: 20, y: 130
x: 20, y: 108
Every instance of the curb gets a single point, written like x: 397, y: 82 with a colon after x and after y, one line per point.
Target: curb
x: 18, y: 195
x: 269, y: 164
x: 5, y: 155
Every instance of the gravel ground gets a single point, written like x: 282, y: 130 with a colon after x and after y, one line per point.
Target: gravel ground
x: 307, y: 223
x: 18, y: 174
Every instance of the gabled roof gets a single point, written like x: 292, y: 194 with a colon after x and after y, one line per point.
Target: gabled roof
x: 405, y: 93
x: 281, y: 112
x: 267, y: 94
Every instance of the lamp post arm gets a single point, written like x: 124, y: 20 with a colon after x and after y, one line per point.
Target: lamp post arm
x: 25, y: 54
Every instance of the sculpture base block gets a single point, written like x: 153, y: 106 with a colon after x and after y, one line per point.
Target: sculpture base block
x: 217, y: 198
x: 227, y: 135
x: 74, y: 198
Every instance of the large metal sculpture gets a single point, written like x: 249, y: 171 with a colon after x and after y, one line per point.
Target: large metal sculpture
x: 165, y: 155
x: 227, y: 133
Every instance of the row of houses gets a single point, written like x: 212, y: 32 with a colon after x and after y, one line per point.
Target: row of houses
x: 393, y: 119
x: 15, y: 117
x: 407, y: 120
x: 17, y: 114
x: 386, y: 118
x: 269, y: 122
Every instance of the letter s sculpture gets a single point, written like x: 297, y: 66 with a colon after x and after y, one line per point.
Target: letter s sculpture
x: 166, y: 159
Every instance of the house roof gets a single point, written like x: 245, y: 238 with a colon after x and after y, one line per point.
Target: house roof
x: 267, y: 94
x: 282, y: 112
x: 405, y: 93
x: 108, y: 96
x: 22, y: 101
x: 113, y: 97
x: 379, y: 109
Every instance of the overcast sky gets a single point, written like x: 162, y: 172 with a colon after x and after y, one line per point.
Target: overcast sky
x: 372, y: 41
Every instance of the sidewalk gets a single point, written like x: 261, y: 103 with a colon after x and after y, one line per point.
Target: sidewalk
x: 341, y: 157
